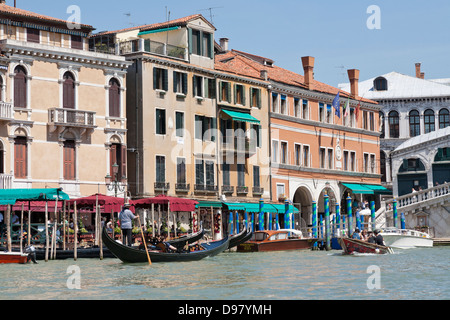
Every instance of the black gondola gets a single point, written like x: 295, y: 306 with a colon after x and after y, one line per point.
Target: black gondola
x: 190, y: 238
x: 129, y: 254
x: 239, y: 238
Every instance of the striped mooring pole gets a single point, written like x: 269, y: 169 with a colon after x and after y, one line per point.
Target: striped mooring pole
x: 327, y: 223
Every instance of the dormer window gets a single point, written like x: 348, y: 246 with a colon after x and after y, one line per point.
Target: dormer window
x: 380, y: 84
x: 201, y: 43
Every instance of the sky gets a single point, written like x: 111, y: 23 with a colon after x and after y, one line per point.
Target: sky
x: 339, y: 34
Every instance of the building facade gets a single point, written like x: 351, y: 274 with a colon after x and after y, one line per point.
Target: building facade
x: 62, y: 107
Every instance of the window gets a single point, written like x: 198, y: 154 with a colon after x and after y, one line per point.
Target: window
x: 180, y: 82
x: 274, y: 102
x: 207, y: 44
x: 20, y: 157
x: 202, y: 43
x: 329, y: 114
x: 196, y: 43
x: 114, y: 98
x: 297, y: 109
x: 305, y: 109
x: 280, y: 190
x: 365, y: 120
x: 205, y: 128
x: 284, y: 152
x: 255, y: 135
x: 283, y: 104
x: 429, y: 122
x: 241, y: 175
x: 414, y: 123
x: 68, y: 91
x: 69, y: 160
x: 352, y: 119
x: 371, y: 121
x: 160, y: 79
x: 239, y: 94
x: 274, y: 151
x: 322, y: 156
x: 380, y: 84
x: 298, y: 154
x: 117, y: 155
x: 346, y: 160
x: 179, y: 124
x: 160, y: 169
x: 321, y: 111
x: 394, y: 129
x: 209, y: 166
x: 255, y: 95
x: 444, y: 120
x: 353, y: 161
x: 199, y: 172
x: 20, y: 87
x: 256, y: 180
x: 197, y: 85
x: 372, y: 163
x: 76, y: 42
x: 210, y: 88
x: 330, y: 159
x: 33, y: 35
x: 160, y: 121
x: 181, y: 170
x: 226, y: 174
x: 366, y: 163
x: 306, y: 156
x: 225, y: 91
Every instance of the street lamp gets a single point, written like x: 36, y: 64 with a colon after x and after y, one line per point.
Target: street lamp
x: 116, y: 184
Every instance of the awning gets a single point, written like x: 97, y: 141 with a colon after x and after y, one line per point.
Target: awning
x: 10, y: 196
x: 241, y: 116
x: 254, y: 207
x: 361, y: 188
x: 209, y: 204
x: 176, y: 204
x: 158, y: 30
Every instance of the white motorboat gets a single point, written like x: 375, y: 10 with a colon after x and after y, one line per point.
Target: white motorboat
x: 406, y: 238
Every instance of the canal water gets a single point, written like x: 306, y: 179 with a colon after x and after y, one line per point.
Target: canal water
x: 408, y: 274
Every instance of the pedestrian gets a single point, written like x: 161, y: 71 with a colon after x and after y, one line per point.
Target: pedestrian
x: 126, y: 218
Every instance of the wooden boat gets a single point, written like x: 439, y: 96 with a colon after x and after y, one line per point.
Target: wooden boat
x: 129, y: 254
x: 180, y: 242
x: 13, y: 257
x: 239, y: 238
x: 276, y: 240
x: 358, y: 246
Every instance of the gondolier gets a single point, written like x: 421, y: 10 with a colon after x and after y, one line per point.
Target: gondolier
x: 126, y: 218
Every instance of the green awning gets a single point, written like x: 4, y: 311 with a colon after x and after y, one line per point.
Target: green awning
x: 209, y: 204
x: 378, y: 189
x: 241, y: 116
x: 158, y: 30
x: 359, y: 188
x: 281, y: 208
x: 254, y: 207
x: 10, y: 196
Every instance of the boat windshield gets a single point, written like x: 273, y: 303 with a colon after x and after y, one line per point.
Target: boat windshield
x: 258, y: 236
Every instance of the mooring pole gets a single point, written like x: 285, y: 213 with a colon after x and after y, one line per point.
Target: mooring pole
x: 314, y: 224
x: 349, y: 216
x: 372, y: 214
x: 394, y: 205
x: 261, y: 214
x: 327, y: 223
x: 338, y: 220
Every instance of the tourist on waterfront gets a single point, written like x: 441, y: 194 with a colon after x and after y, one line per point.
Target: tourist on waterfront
x: 378, y: 238
x: 126, y: 218
x: 356, y: 234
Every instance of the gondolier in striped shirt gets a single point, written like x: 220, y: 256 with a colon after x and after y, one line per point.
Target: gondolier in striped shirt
x: 126, y: 218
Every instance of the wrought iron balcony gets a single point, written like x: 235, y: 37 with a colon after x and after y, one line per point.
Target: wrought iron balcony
x: 240, y: 145
x: 227, y: 189
x: 258, y: 191
x: 241, y: 190
x: 182, y: 187
x: 162, y: 186
x: 206, y: 188
x: 71, y: 118
x: 6, y: 111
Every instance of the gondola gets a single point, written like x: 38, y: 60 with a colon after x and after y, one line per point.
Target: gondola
x: 129, y: 254
x: 358, y: 246
x: 190, y: 238
x: 239, y: 238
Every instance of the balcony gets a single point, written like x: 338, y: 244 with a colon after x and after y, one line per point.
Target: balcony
x: 6, y: 181
x: 204, y: 188
x: 162, y: 186
x: 242, y: 190
x: 182, y: 187
x: 258, y: 191
x: 146, y: 45
x: 6, y: 111
x: 59, y: 117
x: 240, y: 145
x: 227, y: 189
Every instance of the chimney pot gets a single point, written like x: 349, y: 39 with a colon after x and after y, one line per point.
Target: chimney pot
x: 418, y: 70
x: 422, y: 75
x: 264, y: 75
x: 308, y: 68
x: 353, y: 76
x: 224, y: 44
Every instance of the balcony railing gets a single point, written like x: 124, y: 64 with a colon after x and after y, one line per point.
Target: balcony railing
x: 71, y: 117
x: 239, y: 145
x: 182, y: 187
x: 206, y: 188
x: 6, y: 181
x: 258, y: 191
x: 146, y: 45
x: 242, y: 190
x: 227, y: 189
x: 162, y: 186
x: 6, y: 111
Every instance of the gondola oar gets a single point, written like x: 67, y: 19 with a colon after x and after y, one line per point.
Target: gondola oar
x: 143, y: 240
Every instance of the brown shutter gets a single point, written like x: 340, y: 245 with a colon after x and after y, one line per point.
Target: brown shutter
x: 20, y: 88
x: 33, y: 35
x: 69, y: 160
x: 68, y: 91
x: 124, y: 161
x: 114, y: 98
x: 20, y: 158
x: 112, y: 159
x: 77, y: 42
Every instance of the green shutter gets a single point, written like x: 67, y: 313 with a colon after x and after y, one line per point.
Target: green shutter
x: 166, y: 80
x: 235, y: 93
x: 175, y: 81
x: 211, y: 45
x: 229, y: 92
x: 190, y: 40
x: 243, y: 95
x: 155, y: 73
x: 259, y: 98
x: 220, y: 90
x: 184, y: 83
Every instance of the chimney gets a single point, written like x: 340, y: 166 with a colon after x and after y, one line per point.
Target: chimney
x: 353, y: 76
x: 418, y: 70
x: 264, y: 75
x: 422, y: 75
x: 224, y: 44
x: 308, y: 68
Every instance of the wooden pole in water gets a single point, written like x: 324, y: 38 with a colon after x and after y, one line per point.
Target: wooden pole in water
x: 168, y: 220
x: 100, y: 242
x: 143, y: 240
x: 159, y: 219
x: 46, y: 231
x: 349, y: 216
x: 64, y: 225
x: 153, y: 220
x: 96, y: 220
x: 21, y: 229
x: 8, y: 227
x: 75, y: 229
x: 29, y: 226
x: 372, y: 214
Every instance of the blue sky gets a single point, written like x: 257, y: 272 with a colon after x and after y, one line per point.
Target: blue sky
x: 334, y: 32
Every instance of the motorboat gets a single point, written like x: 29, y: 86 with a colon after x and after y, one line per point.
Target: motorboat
x: 276, y: 240
x: 406, y: 238
x: 13, y: 257
x: 351, y: 246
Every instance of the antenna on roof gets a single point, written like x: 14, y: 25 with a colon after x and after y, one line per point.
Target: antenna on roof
x: 210, y: 13
x: 128, y: 14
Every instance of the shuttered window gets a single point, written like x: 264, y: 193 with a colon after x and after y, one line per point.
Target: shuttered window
x: 179, y: 125
x: 160, y: 79
x: 160, y: 169
x: 69, y: 160
x: 20, y: 87
x: 20, y: 157
x: 160, y: 121
x: 77, y: 42
x: 68, y: 91
x: 118, y: 155
x: 114, y: 98
x: 33, y: 35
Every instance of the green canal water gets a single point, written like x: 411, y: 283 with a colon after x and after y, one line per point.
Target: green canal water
x: 408, y: 274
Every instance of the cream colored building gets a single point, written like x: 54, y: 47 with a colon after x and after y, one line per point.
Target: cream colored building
x: 62, y: 109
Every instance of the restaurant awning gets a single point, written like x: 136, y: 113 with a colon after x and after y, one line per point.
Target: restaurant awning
x: 241, y: 116
x: 361, y: 188
x: 176, y: 204
x: 209, y: 204
x: 10, y: 196
x: 254, y: 207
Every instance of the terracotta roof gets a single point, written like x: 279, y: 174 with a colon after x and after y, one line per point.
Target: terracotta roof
x: 8, y: 10
x: 239, y: 63
x: 146, y: 27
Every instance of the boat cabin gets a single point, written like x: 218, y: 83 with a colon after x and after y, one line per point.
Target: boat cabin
x: 273, y: 235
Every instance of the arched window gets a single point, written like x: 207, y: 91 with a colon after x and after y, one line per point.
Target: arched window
x: 20, y: 87
x: 68, y: 91
x: 380, y: 84
x: 428, y: 119
x: 394, y: 127
x: 444, y: 119
x: 114, y: 98
x: 414, y: 123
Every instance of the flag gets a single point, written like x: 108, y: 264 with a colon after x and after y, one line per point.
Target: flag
x: 357, y: 110
x: 346, y: 107
x: 337, y: 106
